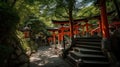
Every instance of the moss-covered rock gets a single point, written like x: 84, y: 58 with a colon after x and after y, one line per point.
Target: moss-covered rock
x: 11, y: 52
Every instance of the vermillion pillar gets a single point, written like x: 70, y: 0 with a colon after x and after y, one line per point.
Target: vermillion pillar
x: 83, y: 31
x: 86, y: 27
x: 62, y: 33
x: 54, y: 38
x: 76, y: 30
x: 105, y: 29
x: 87, y: 30
x: 59, y: 37
x: 105, y: 25
x: 49, y: 40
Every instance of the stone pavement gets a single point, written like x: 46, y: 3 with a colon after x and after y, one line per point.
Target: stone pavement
x: 46, y: 57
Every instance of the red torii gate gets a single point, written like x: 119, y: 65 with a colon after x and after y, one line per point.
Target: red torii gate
x: 114, y: 25
x: 61, y: 33
x: 103, y: 22
x: 75, y: 26
x: 83, y: 20
x: 65, y: 30
x: 86, y: 25
x: 50, y: 39
x: 53, y: 30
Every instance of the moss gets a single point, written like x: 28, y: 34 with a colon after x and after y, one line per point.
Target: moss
x: 27, y: 45
x: 9, y: 21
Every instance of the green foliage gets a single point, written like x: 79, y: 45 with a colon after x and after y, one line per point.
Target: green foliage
x: 28, y: 45
x: 110, y: 6
x: 36, y: 25
x: 9, y: 21
x: 59, y: 9
x: 88, y: 12
x: 45, y: 10
x: 12, y: 18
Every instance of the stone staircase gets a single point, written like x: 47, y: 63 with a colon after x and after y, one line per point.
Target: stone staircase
x: 87, y: 52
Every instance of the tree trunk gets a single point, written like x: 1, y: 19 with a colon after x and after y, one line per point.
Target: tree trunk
x: 71, y: 5
x: 71, y: 23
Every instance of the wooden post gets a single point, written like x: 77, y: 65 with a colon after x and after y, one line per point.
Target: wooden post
x: 83, y: 32
x: 76, y: 29
x: 54, y: 38
x: 87, y: 28
x: 86, y: 25
x: 62, y: 32
x: 105, y: 25
x: 59, y: 36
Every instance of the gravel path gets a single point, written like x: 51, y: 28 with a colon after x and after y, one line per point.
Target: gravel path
x: 46, y: 57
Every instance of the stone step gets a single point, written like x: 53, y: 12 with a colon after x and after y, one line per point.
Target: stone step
x: 88, y: 47
x: 89, y: 43
x: 71, y: 60
x: 77, y: 55
x: 90, y: 39
x: 86, y: 63
x: 88, y: 51
x: 95, y: 62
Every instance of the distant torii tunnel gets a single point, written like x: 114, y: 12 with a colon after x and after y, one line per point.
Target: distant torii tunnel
x: 103, y: 26
x: 59, y: 33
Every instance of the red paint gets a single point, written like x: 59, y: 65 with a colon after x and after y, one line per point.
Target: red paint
x: 83, y: 31
x: 59, y: 37
x: 53, y: 34
x: 62, y: 32
x: 105, y: 29
x: 26, y: 34
x: 50, y: 39
x: 76, y: 27
x: 86, y: 25
x: 71, y: 30
x: 54, y: 37
x: 95, y: 30
x: 115, y: 24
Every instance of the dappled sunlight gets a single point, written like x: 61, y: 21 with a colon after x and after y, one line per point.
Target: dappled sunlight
x: 54, y: 33
x: 34, y: 59
x: 46, y: 57
x: 53, y: 56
